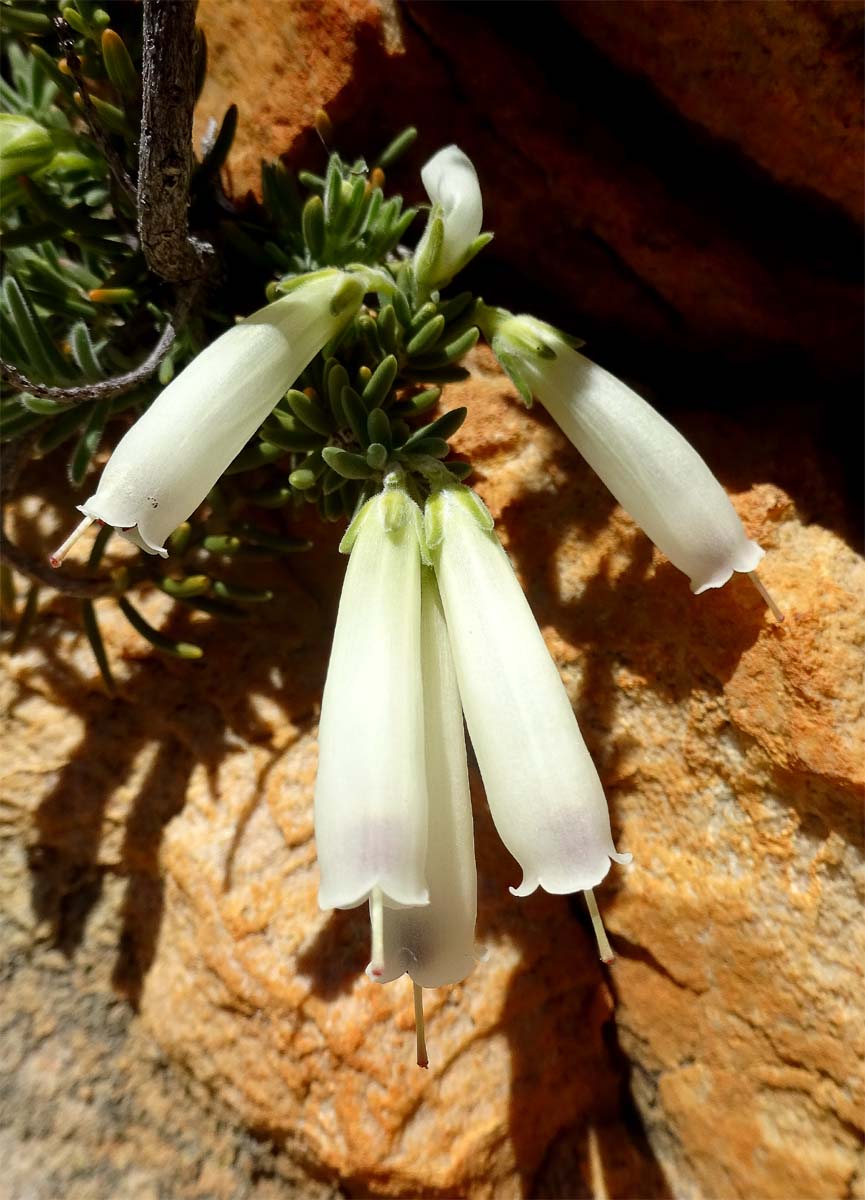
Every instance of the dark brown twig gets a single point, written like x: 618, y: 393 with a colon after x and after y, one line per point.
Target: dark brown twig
x: 165, y: 150
x: 103, y: 388
x: 94, y: 125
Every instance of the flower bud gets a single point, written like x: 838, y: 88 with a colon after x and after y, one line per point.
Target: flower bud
x: 543, y: 790
x: 654, y: 473
x: 175, y: 452
x: 450, y: 237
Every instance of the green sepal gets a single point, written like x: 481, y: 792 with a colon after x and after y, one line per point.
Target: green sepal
x: 474, y: 249
x: 460, y: 470
x: 510, y: 364
x: 429, y: 252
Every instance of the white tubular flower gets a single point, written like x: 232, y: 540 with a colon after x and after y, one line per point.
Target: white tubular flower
x: 451, y: 235
x: 543, y: 790
x: 371, y: 790
x: 435, y: 944
x: 654, y: 473
x: 176, y: 451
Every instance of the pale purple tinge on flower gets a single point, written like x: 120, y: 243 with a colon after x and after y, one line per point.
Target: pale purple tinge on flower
x: 451, y: 236
x: 654, y: 473
x: 544, y: 793
x: 371, y: 788
x: 434, y: 944
x: 176, y: 451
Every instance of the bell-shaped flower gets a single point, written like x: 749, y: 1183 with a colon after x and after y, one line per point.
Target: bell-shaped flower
x: 654, y: 473
x: 543, y: 790
x: 451, y: 238
x: 175, y: 452
x: 435, y: 944
x: 371, y: 788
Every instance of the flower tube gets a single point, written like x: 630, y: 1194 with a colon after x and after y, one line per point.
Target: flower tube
x: 435, y: 944
x: 371, y: 789
x: 175, y: 452
x: 451, y: 235
x: 654, y: 473
x: 543, y: 790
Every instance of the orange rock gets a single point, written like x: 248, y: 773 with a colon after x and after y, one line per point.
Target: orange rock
x: 729, y: 748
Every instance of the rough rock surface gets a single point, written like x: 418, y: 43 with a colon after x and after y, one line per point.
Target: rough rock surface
x: 730, y: 748
x: 697, y: 231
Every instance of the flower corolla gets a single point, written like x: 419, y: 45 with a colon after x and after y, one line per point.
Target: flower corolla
x: 543, y: 790
x: 451, y: 235
x: 654, y: 473
x: 434, y: 944
x: 371, y: 787
x: 175, y: 452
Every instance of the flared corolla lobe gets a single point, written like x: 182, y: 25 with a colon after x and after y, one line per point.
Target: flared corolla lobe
x: 543, y: 790
x: 175, y: 452
x: 435, y: 944
x: 371, y: 791
x: 654, y: 473
x: 454, y: 224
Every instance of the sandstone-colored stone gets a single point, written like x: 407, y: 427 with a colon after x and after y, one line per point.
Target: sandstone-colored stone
x: 282, y: 63
x: 613, y: 210
x: 798, y: 65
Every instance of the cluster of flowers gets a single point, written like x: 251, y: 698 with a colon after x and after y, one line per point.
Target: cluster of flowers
x: 432, y: 623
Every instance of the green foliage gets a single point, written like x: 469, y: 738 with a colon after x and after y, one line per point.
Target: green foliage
x: 79, y: 307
